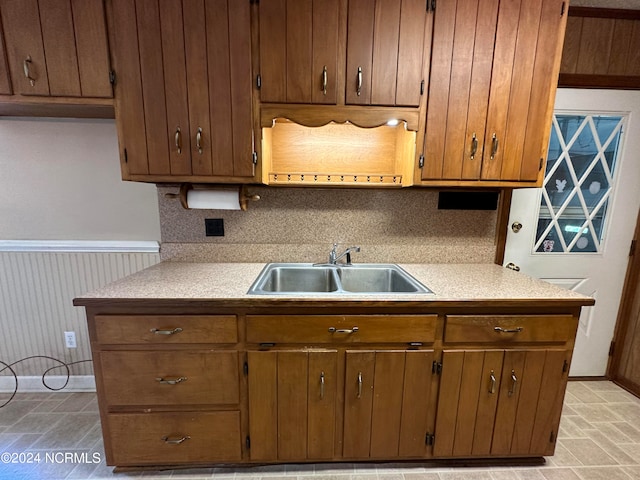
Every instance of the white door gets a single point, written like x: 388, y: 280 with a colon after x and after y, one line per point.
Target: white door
x: 577, y: 230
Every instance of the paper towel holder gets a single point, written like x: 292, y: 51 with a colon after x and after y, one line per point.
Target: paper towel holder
x: 243, y: 195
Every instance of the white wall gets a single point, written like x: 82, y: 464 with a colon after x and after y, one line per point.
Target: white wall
x: 60, y: 180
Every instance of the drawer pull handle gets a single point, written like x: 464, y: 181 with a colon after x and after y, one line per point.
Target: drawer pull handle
x: 508, y: 330
x: 321, y: 385
x: 343, y: 330
x: 175, y: 381
x: 359, y: 384
x: 175, y: 441
x: 165, y: 331
x: 492, y: 382
x: 514, y: 381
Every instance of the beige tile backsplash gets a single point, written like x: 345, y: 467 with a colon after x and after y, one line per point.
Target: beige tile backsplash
x: 300, y: 225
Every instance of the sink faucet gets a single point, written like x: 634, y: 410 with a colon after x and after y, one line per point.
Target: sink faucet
x: 334, y: 257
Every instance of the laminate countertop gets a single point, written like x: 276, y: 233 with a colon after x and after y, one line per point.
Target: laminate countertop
x: 226, y: 284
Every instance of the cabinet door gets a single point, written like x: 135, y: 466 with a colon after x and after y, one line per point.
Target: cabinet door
x: 57, y: 47
x: 25, y: 51
x: 492, y: 86
x: 499, y: 402
x: 183, y: 103
x: 525, y: 69
x: 299, y: 51
x: 385, y: 46
x: 461, y: 60
x: 292, y: 397
x: 386, y: 408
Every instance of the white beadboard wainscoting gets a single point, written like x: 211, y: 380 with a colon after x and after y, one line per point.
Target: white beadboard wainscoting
x: 38, y: 282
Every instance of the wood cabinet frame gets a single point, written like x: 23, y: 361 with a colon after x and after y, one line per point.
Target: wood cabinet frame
x: 293, y: 351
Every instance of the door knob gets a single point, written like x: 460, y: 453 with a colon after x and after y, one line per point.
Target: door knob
x: 516, y: 226
x: 512, y: 266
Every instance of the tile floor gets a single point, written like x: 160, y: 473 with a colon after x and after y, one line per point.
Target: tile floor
x: 599, y: 438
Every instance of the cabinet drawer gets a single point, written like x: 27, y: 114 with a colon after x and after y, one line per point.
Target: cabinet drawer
x: 509, y: 328
x: 341, y: 328
x: 170, y: 377
x: 154, y: 438
x: 165, y: 329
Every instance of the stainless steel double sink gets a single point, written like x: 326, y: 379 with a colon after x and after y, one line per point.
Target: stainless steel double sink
x: 306, y: 278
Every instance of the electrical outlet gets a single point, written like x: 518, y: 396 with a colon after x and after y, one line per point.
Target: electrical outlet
x: 70, y: 339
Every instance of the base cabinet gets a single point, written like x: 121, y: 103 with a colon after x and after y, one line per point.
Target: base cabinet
x: 292, y: 402
x: 500, y: 402
x: 386, y: 403
x: 207, y: 387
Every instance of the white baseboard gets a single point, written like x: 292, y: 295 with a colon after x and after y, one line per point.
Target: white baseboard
x: 77, y: 383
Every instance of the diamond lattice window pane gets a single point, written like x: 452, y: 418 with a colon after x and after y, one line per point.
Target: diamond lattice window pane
x: 578, y: 183
x: 595, y: 187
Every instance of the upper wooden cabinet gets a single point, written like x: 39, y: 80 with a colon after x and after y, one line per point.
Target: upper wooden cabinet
x: 492, y: 88
x: 55, y: 48
x: 299, y: 51
x: 353, y: 52
x: 183, y: 90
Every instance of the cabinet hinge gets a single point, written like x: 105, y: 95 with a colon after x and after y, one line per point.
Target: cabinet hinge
x: 247, y: 442
x: 422, y: 87
x: 126, y: 157
x: 612, y: 347
x: 259, y: 81
x: 436, y: 368
x: 541, y: 164
x: 429, y: 439
x: 112, y: 77
x: 254, y: 158
x: 563, y: 9
x: 552, y: 437
x: 421, y: 161
x: 565, y: 367
x: 632, y: 249
x: 245, y: 368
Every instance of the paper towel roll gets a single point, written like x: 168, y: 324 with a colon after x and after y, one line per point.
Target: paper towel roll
x: 214, y: 199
